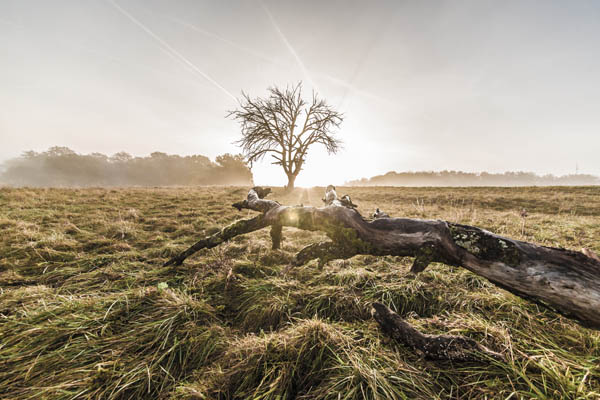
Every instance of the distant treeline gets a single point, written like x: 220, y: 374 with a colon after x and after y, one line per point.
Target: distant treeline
x: 61, y: 166
x: 459, y: 178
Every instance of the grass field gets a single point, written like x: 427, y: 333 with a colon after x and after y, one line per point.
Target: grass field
x: 87, y: 310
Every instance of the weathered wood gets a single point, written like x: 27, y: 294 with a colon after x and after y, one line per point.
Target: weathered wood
x: 261, y: 192
x: 225, y: 234
x: 324, y: 251
x: 380, y: 214
x: 564, y: 280
x: 590, y: 254
x: 276, y: 236
x: 436, y: 347
x: 347, y: 201
x: 255, y: 201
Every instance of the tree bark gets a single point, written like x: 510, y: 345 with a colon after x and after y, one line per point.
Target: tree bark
x: 276, y: 236
x: 229, y: 232
x: 564, y: 280
x: 291, y: 182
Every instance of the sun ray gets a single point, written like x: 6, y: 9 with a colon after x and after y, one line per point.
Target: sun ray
x: 288, y: 45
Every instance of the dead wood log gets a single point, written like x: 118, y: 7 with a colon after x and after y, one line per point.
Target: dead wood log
x: 566, y: 281
x: 436, y: 347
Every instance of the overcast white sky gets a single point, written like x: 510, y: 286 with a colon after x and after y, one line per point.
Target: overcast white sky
x: 425, y: 85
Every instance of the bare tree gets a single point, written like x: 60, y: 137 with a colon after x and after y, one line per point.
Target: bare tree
x: 285, y: 125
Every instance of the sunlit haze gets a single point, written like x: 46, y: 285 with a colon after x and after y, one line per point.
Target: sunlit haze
x: 424, y: 85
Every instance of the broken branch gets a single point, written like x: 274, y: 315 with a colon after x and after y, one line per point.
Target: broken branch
x: 436, y: 347
x: 229, y: 232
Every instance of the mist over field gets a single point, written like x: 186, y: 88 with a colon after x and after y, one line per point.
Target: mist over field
x: 62, y: 167
x: 459, y: 178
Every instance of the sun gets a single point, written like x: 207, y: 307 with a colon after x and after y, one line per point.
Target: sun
x: 321, y: 169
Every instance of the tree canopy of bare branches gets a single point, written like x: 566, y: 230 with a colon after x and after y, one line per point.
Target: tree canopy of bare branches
x: 284, y: 125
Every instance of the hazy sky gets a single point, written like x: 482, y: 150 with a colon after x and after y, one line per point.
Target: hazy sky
x: 424, y: 85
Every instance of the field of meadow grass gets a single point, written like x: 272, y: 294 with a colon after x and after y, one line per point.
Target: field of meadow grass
x: 88, y: 312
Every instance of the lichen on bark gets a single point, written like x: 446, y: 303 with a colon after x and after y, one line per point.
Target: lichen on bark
x: 485, y: 245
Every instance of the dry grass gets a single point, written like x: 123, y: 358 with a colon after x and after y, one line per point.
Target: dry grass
x: 87, y: 311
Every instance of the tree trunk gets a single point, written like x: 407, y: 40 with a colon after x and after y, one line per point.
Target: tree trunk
x: 564, y: 280
x: 291, y: 181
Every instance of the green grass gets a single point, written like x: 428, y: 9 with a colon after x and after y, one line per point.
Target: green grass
x: 88, y: 312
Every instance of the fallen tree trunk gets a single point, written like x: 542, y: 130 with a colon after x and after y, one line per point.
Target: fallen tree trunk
x: 435, y: 347
x: 564, y: 280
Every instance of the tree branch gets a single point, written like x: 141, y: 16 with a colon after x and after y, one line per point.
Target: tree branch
x: 225, y: 234
x: 324, y: 251
x: 436, y: 347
